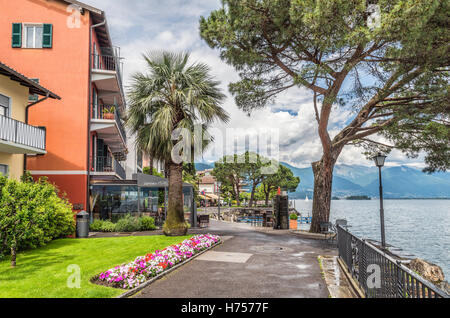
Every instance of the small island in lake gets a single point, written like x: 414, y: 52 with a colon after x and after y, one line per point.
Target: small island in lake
x: 358, y: 197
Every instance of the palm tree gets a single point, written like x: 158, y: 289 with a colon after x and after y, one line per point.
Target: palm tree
x: 173, y: 94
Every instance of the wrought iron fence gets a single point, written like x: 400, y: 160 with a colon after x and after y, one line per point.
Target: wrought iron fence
x: 378, y: 274
x: 21, y: 133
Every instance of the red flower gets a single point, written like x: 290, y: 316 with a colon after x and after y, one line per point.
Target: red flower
x: 163, y: 265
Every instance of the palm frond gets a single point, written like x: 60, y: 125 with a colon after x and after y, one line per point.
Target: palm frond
x: 172, y: 94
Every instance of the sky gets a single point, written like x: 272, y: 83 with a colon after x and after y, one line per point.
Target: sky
x: 139, y: 26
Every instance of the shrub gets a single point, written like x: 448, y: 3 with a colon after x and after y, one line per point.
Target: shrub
x: 102, y: 226
x: 127, y: 224
x: 96, y: 226
x: 31, y: 214
x: 293, y: 216
x: 108, y: 226
x: 146, y: 223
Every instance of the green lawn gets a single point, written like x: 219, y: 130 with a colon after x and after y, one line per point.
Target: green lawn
x: 42, y: 272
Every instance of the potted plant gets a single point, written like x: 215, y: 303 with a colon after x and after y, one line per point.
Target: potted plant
x: 108, y: 113
x: 293, y: 221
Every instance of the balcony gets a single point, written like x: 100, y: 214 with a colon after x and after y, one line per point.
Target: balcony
x: 107, y: 166
x: 107, y: 76
x: 109, y: 127
x: 17, y: 137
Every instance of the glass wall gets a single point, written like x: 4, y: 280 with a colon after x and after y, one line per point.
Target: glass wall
x: 110, y: 202
x: 151, y: 199
x: 187, y: 199
x: 113, y: 201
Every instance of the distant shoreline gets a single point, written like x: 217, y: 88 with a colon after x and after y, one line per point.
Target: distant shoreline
x: 343, y: 199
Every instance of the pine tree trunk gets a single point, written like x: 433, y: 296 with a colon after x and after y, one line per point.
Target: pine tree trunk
x: 267, y: 198
x: 252, y: 196
x: 238, y: 201
x: 323, y: 176
x: 175, y: 224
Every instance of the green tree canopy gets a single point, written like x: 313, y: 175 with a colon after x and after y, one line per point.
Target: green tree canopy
x: 31, y: 214
x: 283, y: 178
x: 230, y: 171
x: 385, y: 62
x: 234, y: 171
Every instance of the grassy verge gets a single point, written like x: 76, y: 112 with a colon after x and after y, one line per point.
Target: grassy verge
x: 43, y: 272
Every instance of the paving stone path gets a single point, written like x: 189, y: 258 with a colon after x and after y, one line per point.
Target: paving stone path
x: 249, y: 263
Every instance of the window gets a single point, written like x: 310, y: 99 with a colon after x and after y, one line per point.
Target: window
x: 33, y: 36
x: 95, y: 103
x: 4, y: 105
x: 96, y: 57
x: 3, y: 170
x: 33, y: 97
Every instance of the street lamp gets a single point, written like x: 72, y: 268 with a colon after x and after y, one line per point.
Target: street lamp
x: 218, y: 201
x: 379, y: 162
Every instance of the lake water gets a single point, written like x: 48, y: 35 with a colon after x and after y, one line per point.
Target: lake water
x: 420, y: 227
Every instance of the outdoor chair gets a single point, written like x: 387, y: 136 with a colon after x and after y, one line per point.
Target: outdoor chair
x: 203, y: 220
x: 327, y: 229
x: 269, y: 219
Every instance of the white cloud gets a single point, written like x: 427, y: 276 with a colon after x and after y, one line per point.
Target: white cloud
x: 138, y: 26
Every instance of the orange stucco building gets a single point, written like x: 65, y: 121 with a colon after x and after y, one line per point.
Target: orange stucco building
x: 66, y: 45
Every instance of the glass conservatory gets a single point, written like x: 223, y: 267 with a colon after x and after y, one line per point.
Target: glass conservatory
x: 143, y: 195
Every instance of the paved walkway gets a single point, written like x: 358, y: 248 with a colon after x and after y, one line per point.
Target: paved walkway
x: 248, y: 264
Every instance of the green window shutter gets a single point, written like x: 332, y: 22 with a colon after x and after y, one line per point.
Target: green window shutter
x: 47, y: 36
x: 17, y: 35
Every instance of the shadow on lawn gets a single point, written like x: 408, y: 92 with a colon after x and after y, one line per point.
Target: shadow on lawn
x: 41, y: 257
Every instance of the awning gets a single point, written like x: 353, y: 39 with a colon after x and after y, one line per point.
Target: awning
x: 146, y: 180
x: 212, y: 196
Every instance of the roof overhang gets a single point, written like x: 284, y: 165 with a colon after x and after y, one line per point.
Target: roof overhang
x: 33, y: 87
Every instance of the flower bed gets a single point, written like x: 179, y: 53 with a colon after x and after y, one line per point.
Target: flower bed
x: 143, y: 268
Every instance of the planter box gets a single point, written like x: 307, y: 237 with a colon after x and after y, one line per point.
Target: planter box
x: 108, y: 116
x: 293, y: 224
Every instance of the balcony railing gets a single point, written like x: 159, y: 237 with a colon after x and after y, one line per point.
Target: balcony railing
x: 109, y: 164
x: 107, y: 63
x: 20, y: 133
x: 103, y: 113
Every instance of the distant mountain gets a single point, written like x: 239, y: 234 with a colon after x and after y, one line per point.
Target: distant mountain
x: 199, y: 166
x: 407, y: 182
x: 398, y: 182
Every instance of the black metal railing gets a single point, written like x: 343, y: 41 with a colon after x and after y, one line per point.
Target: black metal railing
x: 119, y: 169
x: 104, y: 112
x: 107, y: 63
x: 379, y: 275
x: 20, y: 133
x: 109, y: 164
x: 104, y: 62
